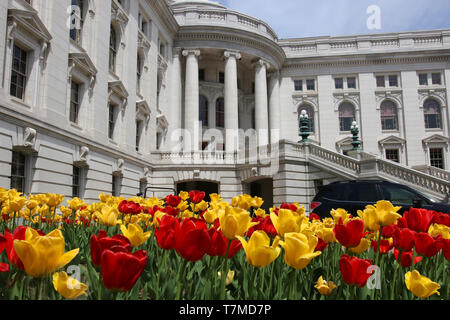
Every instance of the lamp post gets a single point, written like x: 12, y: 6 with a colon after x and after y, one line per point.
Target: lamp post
x: 304, y: 127
x: 356, y: 143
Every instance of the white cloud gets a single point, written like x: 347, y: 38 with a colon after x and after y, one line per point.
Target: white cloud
x: 302, y: 18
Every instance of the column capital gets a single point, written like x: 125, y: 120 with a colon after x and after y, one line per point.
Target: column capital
x: 258, y: 63
x: 274, y: 74
x: 188, y: 52
x: 176, y: 52
x: 231, y: 53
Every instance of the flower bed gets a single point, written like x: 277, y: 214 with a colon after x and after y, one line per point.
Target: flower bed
x: 183, y: 247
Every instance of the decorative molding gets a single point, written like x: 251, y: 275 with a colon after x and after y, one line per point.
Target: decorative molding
x: 118, y: 167
x: 352, y: 97
x: 311, y: 99
x: 82, y: 157
x: 440, y: 94
x: 118, y: 89
x: 235, y: 54
x: 120, y: 18
x: 29, y: 138
x: 259, y: 63
x: 188, y: 52
x: 395, y: 96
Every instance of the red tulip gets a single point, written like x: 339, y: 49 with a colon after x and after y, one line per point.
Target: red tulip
x: 196, y: 196
x: 385, y: 246
x: 18, y: 234
x: 441, y: 218
x: 350, y: 234
x: 354, y: 270
x: 165, y: 235
x: 406, y: 258
x: 121, y: 269
x: 388, y: 231
x: 404, y: 239
x: 427, y: 245
x: 173, y: 201
x: 192, y: 240
x: 3, y: 243
x: 289, y: 206
x: 419, y: 220
x: 171, y: 211
x: 4, y: 267
x: 130, y: 207
x: 100, y: 243
x: 446, y: 248
x: 219, y: 243
x: 313, y: 216
x: 265, y: 224
x: 321, y: 245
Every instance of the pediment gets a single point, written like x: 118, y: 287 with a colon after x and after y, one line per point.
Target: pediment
x: 143, y: 108
x: 344, y: 141
x: 392, y: 140
x: 436, y: 138
x: 83, y: 62
x: 30, y: 22
x: 117, y: 88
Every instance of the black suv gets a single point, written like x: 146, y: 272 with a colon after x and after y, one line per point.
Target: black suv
x: 356, y: 195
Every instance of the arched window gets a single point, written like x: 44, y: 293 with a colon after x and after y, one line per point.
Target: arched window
x: 220, y: 113
x: 389, y: 118
x: 346, y: 116
x: 310, y: 112
x: 432, y: 113
x: 112, y: 49
x: 203, y: 112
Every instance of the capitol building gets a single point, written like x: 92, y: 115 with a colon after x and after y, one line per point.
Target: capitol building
x: 123, y: 96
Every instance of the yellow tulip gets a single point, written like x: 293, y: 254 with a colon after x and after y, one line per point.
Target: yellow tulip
x: 108, y: 216
x: 104, y: 197
x: 210, y: 215
x: 43, y: 255
x: 286, y: 221
x: 54, y: 200
x: 258, y: 250
x: 370, y: 218
x: 260, y: 213
x: 135, y: 234
x: 324, y: 233
x: 31, y: 204
x: 439, y: 229
x: 325, y: 288
x: 230, y: 277
x: 235, y: 222
x: 68, y: 287
x: 66, y: 212
x: 184, y: 195
x: 362, y: 247
x: 299, y: 249
x: 386, y: 213
x: 421, y: 286
x: 202, y: 206
x: 76, y: 203
x: 215, y: 198
x: 339, y: 214
x: 182, y: 206
x: 3, y: 195
x: 16, y: 203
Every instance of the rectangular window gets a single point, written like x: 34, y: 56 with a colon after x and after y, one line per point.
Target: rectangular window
x: 201, y: 74
x: 74, y: 101
x: 392, y: 155
x: 253, y: 88
x: 310, y: 85
x: 115, y: 189
x: 18, y: 171
x: 221, y: 77
x: 76, y: 182
x: 158, y: 140
x: 351, y: 83
x: 111, y: 121
x: 339, y: 83
x: 393, y: 81
x: 437, y: 158
x: 298, y: 84
x: 18, y: 73
x: 423, y: 79
x: 436, y: 78
x: 138, y: 134
x: 142, y: 186
x: 381, y: 82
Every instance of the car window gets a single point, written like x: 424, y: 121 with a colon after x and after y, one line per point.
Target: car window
x: 362, y: 192
x: 397, y: 194
x: 331, y: 192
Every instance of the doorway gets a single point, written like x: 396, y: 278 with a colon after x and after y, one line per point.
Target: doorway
x: 207, y: 187
x: 263, y: 189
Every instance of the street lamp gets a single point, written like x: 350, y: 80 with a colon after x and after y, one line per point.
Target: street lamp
x: 356, y: 143
x: 304, y: 127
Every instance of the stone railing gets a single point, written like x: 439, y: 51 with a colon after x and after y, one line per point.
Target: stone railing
x: 435, y: 172
x: 366, y: 43
x: 189, y: 16
x: 336, y: 159
x: 194, y: 158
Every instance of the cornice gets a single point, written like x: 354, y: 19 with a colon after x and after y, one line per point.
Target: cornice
x: 162, y: 9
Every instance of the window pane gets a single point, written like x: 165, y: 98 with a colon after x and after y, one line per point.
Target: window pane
x: 423, y: 79
x: 392, y: 155
x: 364, y: 193
x: 393, y: 81
x: 389, y: 116
x: 298, y: 85
x: 432, y: 111
x: 220, y: 115
x: 436, y: 78
x: 437, y: 158
x: 398, y: 195
x: 351, y: 83
x: 76, y: 182
x: 380, y: 82
x: 18, y: 171
x: 339, y: 83
x: 310, y: 85
x: 203, y: 112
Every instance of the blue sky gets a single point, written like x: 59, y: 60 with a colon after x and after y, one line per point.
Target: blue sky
x: 305, y: 18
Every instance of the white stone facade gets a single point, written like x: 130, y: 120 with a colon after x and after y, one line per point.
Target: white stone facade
x: 248, y: 79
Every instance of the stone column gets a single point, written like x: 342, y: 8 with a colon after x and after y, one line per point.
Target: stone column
x: 261, y: 108
x: 231, y: 101
x: 191, y: 99
x: 274, y: 107
x: 175, y: 123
